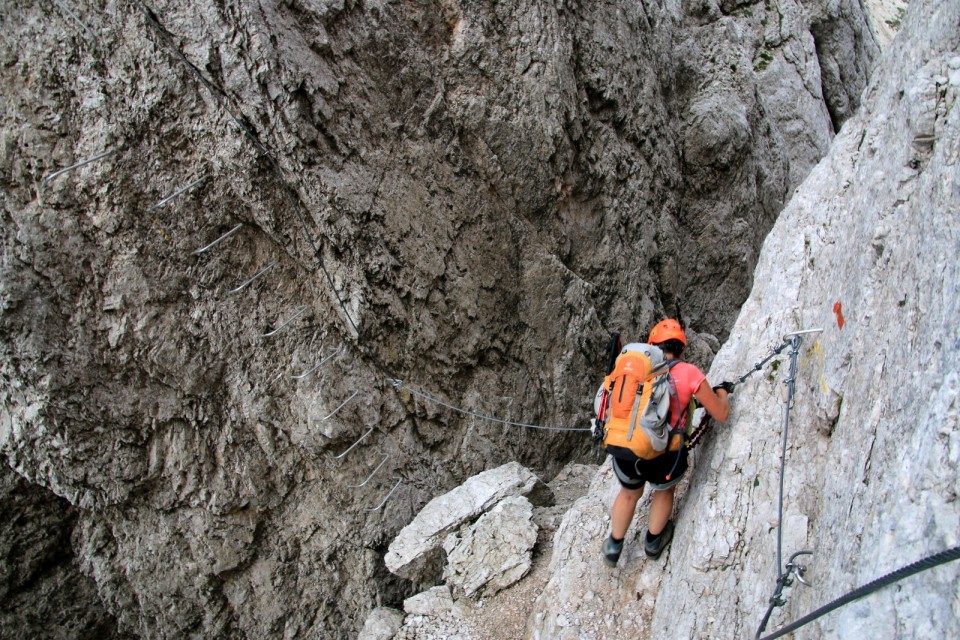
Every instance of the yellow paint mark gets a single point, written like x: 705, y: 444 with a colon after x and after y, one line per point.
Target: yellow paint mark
x: 817, y: 351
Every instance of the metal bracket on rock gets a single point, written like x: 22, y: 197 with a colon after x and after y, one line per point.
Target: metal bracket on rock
x: 798, y: 569
x: 342, y: 405
x: 178, y: 193
x: 243, y: 285
x: 372, y: 473
x: 351, y: 447
x: 217, y: 241
x: 295, y: 315
x: 384, y: 501
x: 802, y: 332
x: 318, y: 365
x: 75, y: 18
x: 56, y: 174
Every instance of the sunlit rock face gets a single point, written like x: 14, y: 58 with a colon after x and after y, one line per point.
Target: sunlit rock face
x: 866, y: 253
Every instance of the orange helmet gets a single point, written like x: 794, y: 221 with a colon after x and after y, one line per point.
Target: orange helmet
x: 668, y: 329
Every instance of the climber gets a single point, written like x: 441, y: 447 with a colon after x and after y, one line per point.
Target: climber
x: 665, y: 471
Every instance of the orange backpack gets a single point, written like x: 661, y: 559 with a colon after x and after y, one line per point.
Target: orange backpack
x: 633, y: 405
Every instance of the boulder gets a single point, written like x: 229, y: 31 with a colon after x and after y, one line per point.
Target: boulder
x: 414, y: 553
x: 436, y: 601
x: 382, y: 624
x: 434, y: 614
x: 494, y: 552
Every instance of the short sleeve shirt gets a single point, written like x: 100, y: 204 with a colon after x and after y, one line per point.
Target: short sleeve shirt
x: 688, y: 379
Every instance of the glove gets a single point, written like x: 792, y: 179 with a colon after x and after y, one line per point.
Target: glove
x: 596, y: 429
x: 726, y: 385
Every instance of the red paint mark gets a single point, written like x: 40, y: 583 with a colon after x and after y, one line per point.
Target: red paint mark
x: 838, y: 310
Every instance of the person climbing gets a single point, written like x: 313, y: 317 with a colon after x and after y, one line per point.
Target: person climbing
x: 666, y: 470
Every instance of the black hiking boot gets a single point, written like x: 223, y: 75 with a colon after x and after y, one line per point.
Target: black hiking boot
x: 655, y: 547
x: 611, y: 551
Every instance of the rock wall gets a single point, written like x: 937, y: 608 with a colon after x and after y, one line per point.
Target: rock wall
x: 42, y: 592
x: 465, y: 196
x: 867, y: 251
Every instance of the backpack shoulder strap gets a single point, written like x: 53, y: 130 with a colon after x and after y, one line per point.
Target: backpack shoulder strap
x: 675, y: 398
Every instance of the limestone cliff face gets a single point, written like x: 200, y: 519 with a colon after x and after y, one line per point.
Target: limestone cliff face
x: 464, y: 195
x: 871, y: 466
x: 866, y: 250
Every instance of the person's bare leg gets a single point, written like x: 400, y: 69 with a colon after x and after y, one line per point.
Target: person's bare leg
x: 622, y: 512
x: 661, y: 506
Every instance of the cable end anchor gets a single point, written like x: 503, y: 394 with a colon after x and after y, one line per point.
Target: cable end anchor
x: 802, y: 332
x: 797, y: 569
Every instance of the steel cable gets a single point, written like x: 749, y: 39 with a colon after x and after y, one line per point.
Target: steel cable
x: 400, y: 385
x: 895, y: 576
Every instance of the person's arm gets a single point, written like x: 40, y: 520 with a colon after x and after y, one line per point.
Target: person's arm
x: 715, y: 402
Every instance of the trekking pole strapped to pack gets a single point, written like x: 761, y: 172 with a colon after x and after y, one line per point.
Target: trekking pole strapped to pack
x: 613, y: 350
x: 601, y: 403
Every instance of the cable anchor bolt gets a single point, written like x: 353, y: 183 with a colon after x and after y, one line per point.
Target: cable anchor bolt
x: 800, y: 570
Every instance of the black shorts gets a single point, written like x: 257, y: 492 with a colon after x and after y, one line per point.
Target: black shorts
x: 633, y: 475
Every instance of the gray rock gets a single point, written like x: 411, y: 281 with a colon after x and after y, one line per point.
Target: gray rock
x: 583, y: 596
x: 382, y: 624
x: 495, y: 551
x: 436, y: 601
x: 718, y: 131
x: 567, y: 487
x: 867, y: 251
x: 43, y: 589
x: 416, y: 548
x: 870, y: 480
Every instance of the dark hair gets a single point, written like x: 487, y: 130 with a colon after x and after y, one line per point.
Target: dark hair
x: 673, y: 346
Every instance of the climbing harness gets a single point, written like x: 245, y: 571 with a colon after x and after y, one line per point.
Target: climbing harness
x: 705, y: 424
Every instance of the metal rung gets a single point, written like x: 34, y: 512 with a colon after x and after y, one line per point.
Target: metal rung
x: 342, y: 405
x: 56, y: 174
x: 317, y: 366
x: 351, y: 447
x: 72, y: 15
x: 217, y: 241
x: 243, y: 285
x: 373, y: 473
x: 384, y: 501
x: 295, y: 315
x: 801, y: 333
x: 178, y: 193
